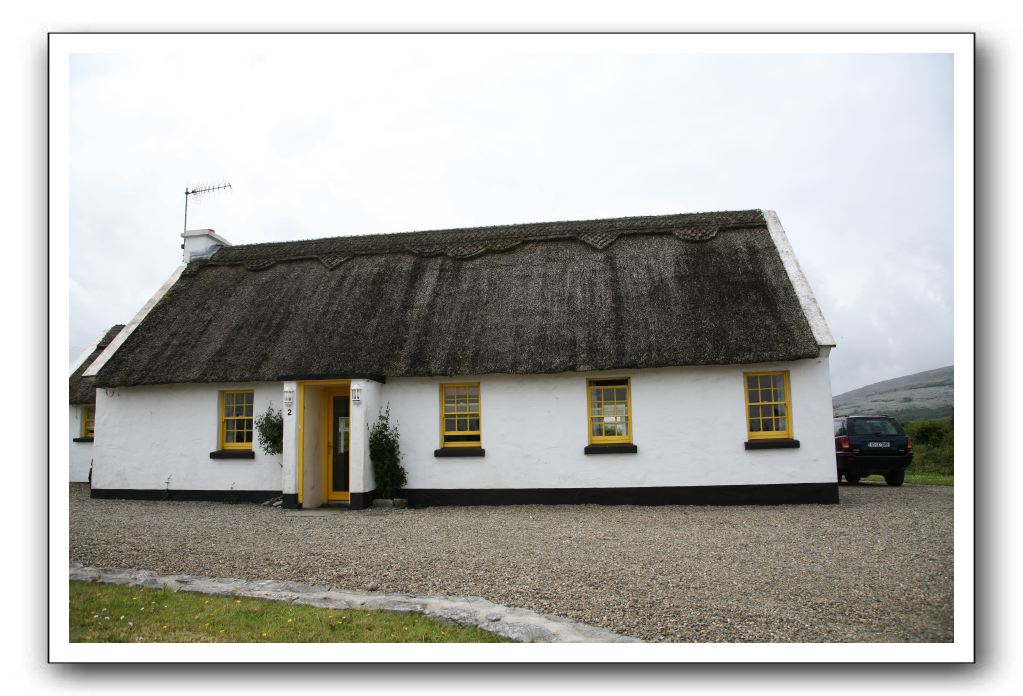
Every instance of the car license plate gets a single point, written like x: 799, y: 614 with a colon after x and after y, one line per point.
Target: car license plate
x: 879, y: 444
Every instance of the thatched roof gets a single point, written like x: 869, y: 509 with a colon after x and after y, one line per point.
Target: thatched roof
x: 625, y: 293
x: 83, y: 389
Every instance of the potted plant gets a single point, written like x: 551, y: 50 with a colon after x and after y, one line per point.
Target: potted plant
x: 385, y: 454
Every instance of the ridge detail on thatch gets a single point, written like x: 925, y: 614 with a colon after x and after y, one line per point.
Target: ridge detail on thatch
x: 468, y: 243
x: 617, y: 294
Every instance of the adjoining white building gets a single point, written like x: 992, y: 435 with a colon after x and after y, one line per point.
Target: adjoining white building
x: 663, y: 359
x: 82, y: 408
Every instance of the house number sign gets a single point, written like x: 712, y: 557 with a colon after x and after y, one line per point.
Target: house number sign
x: 356, y: 395
x: 289, y: 399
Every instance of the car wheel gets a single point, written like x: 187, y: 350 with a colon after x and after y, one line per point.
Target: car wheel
x: 852, y: 478
x: 895, y: 478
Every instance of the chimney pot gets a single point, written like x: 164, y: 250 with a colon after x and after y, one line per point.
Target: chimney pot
x: 201, y: 244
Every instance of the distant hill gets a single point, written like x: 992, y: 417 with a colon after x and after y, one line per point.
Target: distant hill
x: 913, y: 397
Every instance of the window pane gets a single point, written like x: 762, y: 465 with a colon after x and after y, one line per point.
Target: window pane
x: 768, y: 424
x: 596, y: 429
x: 474, y: 391
x: 620, y: 394
x: 751, y: 382
x: 449, y: 423
x: 779, y: 424
x: 229, y: 399
x: 779, y: 382
x: 754, y: 412
x: 765, y: 381
x: 474, y: 424
x: 754, y: 426
x: 248, y: 410
x: 753, y: 396
x: 229, y: 436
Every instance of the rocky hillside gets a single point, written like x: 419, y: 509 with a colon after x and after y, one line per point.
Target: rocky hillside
x: 913, y: 397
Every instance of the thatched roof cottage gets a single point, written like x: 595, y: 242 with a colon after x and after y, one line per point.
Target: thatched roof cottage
x: 82, y: 407
x: 675, y: 358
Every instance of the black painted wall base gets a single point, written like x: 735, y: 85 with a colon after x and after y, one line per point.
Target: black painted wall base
x: 157, y: 494
x: 768, y: 494
x: 290, y: 501
x: 361, y: 501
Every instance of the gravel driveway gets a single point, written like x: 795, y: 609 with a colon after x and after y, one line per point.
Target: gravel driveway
x: 876, y: 568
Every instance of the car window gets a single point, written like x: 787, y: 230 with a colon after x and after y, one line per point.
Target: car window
x: 839, y: 427
x: 874, y: 426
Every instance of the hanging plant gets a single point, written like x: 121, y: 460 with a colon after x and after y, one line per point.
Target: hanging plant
x: 270, y: 431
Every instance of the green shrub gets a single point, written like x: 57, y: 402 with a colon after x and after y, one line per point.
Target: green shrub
x: 933, y: 442
x: 270, y: 431
x: 385, y: 454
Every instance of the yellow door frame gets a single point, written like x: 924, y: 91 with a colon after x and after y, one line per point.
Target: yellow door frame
x: 327, y: 383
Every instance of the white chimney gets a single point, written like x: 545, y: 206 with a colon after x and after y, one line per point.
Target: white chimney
x: 201, y: 244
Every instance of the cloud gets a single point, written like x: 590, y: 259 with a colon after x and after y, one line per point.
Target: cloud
x: 854, y: 152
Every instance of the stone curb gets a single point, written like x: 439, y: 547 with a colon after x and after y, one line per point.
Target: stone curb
x: 520, y: 625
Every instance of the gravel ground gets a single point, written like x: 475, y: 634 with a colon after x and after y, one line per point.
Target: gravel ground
x: 876, y: 568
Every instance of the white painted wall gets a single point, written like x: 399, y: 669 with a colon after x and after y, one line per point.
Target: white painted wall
x: 801, y: 286
x: 688, y: 423
x: 146, y: 435
x: 81, y: 452
x: 289, y: 458
x: 364, y: 415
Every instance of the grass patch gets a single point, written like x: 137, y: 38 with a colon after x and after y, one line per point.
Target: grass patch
x: 929, y: 478
x: 104, y: 613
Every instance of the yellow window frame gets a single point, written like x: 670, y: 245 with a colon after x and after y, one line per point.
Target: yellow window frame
x: 225, y: 417
x: 770, y: 390
x: 594, y: 385
x: 89, y: 420
x: 466, y: 415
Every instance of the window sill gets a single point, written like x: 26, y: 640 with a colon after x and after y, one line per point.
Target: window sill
x: 772, y: 444
x: 624, y: 448
x: 233, y: 454
x: 460, y: 452
x: 82, y: 439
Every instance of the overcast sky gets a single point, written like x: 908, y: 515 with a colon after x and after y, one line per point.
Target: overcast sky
x: 854, y: 152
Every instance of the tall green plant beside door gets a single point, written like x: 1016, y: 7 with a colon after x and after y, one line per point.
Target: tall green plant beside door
x: 385, y: 454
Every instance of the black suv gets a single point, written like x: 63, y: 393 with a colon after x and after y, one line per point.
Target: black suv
x: 866, y: 445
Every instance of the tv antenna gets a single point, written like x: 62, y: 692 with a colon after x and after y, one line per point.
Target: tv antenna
x: 200, y: 191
